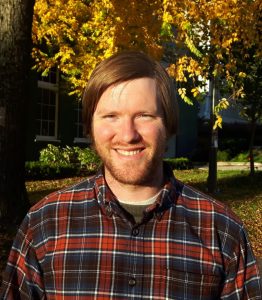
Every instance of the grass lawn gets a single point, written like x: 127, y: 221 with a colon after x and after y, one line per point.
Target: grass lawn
x: 235, y: 188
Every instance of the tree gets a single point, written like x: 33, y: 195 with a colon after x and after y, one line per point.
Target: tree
x: 75, y: 35
x: 251, y: 102
x: 210, y: 29
x: 15, y: 49
x: 251, y: 74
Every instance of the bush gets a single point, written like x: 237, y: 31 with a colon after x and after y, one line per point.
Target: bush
x: 55, y: 154
x: 233, y: 146
x: 58, y: 162
x: 88, y: 159
x: 37, y: 170
x: 241, y: 157
x: 70, y: 155
x: 244, y: 156
x: 181, y: 163
x: 223, y: 155
x: 258, y: 155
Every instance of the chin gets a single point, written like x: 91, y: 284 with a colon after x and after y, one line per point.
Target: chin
x: 133, y: 176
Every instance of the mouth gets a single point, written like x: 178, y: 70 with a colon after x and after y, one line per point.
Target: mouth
x: 128, y: 152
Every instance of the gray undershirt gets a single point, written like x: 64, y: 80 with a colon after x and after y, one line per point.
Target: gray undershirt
x: 135, y: 210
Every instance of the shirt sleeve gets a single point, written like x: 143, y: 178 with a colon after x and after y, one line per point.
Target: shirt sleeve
x: 242, y: 275
x: 22, y: 278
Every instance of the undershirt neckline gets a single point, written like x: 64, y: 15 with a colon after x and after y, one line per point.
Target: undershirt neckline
x: 143, y: 202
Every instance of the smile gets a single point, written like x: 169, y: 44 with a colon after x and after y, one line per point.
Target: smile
x: 128, y: 153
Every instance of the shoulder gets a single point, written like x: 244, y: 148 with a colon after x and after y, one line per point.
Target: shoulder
x: 53, y: 213
x: 205, y: 211
x: 76, y: 193
x: 216, y: 223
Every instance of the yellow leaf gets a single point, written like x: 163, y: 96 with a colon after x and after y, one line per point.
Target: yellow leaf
x: 242, y: 74
x: 218, y: 122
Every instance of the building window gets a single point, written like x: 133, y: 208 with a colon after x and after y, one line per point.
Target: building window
x: 47, y: 107
x: 79, y: 137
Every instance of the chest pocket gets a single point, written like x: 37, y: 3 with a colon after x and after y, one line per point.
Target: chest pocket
x: 192, y: 286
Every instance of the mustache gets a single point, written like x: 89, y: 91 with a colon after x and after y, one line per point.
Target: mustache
x: 123, y: 145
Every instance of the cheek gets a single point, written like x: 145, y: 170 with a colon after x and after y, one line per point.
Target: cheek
x: 102, y: 133
x: 153, y: 133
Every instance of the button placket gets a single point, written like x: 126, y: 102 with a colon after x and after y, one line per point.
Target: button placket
x: 132, y: 281
x: 109, y: 211
x: 135, y: 231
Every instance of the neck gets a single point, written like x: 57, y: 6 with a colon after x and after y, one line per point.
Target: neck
x: 135, y: 193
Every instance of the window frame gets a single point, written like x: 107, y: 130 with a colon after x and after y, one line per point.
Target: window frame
x: 52, y: 87
x: 77, y: 124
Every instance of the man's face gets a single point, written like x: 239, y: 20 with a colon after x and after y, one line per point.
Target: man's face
x: 129, y: 133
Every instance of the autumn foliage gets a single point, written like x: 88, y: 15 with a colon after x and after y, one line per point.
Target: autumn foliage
x: 75, y: 35
x: 196, y: 36
x: 210, y: 31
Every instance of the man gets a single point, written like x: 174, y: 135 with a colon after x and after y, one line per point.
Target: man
x: 132, y: 231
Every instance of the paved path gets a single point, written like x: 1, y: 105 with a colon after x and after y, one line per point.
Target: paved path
x: 231, y: 166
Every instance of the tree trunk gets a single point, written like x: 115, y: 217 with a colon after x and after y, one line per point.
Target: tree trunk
x: 15, y: 52
x: 212, y: 166
x: 251, y: 147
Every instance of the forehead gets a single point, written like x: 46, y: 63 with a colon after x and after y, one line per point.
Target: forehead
x: 139, y: 92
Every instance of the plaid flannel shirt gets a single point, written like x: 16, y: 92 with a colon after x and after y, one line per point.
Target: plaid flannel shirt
x: 79, y: 243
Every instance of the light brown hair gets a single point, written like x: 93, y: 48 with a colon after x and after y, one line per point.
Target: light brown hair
x: 124, y: 67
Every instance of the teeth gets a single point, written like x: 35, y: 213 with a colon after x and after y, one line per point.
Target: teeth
x: 128, y: 153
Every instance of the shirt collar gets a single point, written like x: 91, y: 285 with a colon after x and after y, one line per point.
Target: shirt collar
x: 165, y: 200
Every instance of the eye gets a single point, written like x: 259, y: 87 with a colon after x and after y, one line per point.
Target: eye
x: 145, y: 116
x: 109, y: 116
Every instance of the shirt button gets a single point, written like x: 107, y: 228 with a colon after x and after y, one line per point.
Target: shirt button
x: 109, y: 211
x: 132, y: 281
x: 135, y: 231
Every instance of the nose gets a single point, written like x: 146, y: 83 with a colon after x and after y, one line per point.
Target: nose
x: 128, y: 131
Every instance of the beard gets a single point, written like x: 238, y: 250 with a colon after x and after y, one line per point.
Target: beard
x: 142, y: 172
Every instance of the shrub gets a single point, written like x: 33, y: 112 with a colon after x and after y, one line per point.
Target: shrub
x: 58, y: 162
x: 68, y: 155
x: 233, y: 145
x: 241, y: 157
x: 258, y: 155
x: 223, y: 155
x: 244, y: 156
x: 51, y: 154
x: 88, y: 159
x: 40, y: 170
x: 180, y: 163
x: 56, y: 154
